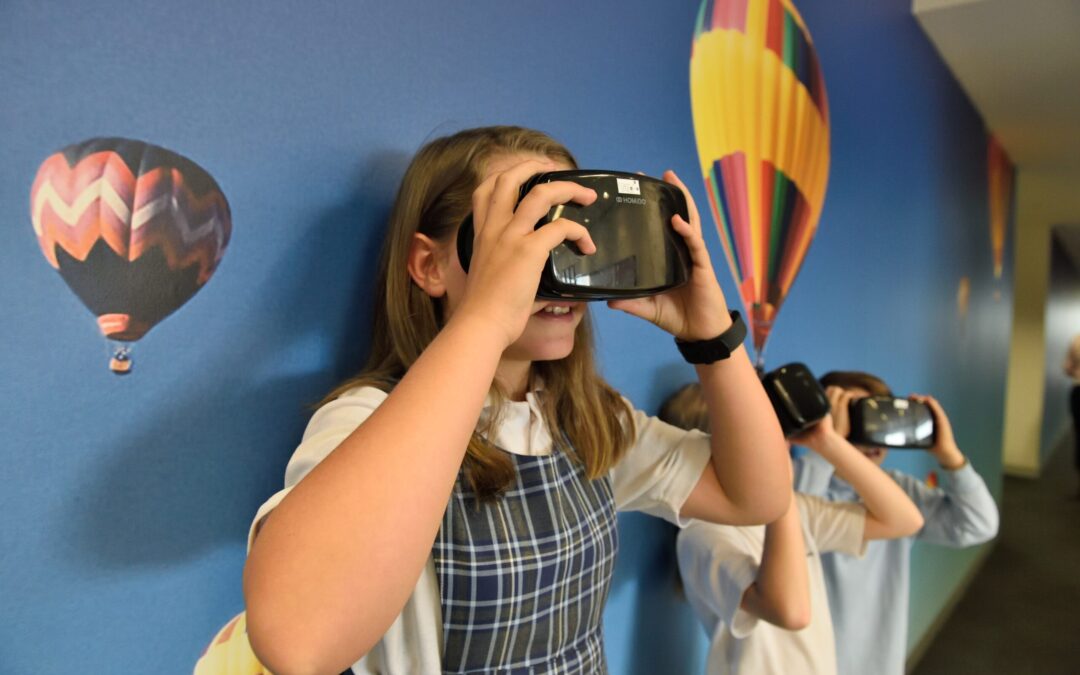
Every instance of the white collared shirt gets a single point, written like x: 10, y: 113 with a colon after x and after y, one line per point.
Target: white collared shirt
x: 656, y: 475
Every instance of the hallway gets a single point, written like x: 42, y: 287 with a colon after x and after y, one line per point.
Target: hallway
x: 1021, y: 615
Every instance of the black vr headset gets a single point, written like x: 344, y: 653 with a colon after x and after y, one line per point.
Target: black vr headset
x: 637, y: 251
x: 797, y: 397
x: 800, y: 402
x: 891, y: 422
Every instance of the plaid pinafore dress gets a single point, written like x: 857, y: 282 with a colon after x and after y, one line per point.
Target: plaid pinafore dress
x: 523, y: 579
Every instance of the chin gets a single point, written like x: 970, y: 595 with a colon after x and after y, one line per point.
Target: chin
x: 543, y: 350
x: 546, y: 340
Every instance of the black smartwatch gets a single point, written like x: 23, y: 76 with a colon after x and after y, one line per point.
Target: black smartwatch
x: 718, y: 348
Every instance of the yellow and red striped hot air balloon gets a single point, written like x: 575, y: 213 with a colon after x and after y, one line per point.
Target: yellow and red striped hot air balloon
x: 761, y: 119
x: 134, y: 230
x: 1000, y: 179
x: 229, y: 653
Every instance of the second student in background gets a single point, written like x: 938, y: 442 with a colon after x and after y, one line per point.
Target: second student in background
x: 760, y: 590
x: 871, y: 627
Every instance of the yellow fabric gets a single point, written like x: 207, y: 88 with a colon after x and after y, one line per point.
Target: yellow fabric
x: 230, y: 652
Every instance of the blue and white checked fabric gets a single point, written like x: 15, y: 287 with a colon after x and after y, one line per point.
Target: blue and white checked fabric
x: 523, y: 579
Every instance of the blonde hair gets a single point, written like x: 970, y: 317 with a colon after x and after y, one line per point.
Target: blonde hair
x: 588, y: 419
x: 686, y: 408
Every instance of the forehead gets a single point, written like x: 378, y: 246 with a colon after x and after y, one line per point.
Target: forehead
x: 859, y: 392
x: 503, y: 161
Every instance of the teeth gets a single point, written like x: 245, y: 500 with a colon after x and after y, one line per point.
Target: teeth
x: 552, y: 309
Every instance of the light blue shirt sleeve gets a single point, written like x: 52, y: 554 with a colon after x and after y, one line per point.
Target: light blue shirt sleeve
x: 812, y: 473
x: 959, y: 512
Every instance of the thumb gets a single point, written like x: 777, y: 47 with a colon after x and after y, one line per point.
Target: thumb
x: 644, y: 308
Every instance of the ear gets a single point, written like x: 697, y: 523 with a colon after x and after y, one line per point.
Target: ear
x: 425, y: 265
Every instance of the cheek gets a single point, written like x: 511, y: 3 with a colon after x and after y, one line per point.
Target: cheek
x: 454, y: 279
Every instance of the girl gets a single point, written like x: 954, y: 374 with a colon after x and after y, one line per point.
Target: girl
x: 453, y: 507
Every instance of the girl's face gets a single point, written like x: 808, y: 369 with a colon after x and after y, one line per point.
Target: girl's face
x: 549, y: 334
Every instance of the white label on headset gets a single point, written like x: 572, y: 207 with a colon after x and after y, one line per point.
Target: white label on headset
x: 629, y: 186
x: 901, y: 404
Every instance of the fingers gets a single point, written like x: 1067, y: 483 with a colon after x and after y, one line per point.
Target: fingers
x: 644, y: 308
x: 699, y: 254
x: 941, y: 420
x: 541, y: 198
x: 690, y: 230
x: 557, y: 231
x: 495, y: 198
x: 836, y: 396
x: 691, y: 207
x: 839, y: 400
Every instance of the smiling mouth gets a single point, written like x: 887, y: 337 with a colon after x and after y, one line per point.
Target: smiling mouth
x: 555, y: 310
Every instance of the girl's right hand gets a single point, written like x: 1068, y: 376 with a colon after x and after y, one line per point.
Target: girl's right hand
x: 508, y: 252
x: 839, y: 401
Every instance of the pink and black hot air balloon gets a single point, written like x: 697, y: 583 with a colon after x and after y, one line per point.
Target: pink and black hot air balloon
x: 134, y: 230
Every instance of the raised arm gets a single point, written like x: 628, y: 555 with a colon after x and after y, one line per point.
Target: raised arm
x: 780, y: 593
x: 889, y: 512
x: 748, y: 480
x: 960, y: 511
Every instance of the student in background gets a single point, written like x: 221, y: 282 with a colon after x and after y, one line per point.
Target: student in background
x: 760, y: 590
x: 1072, y: 369
x: 869, y: 596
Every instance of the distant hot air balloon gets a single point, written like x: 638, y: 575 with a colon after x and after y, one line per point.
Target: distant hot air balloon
x: 762, y: 125
x: 134, y: 230
x: 1000, y: 190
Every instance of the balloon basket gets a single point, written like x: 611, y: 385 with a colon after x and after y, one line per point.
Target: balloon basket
x: 120, y: 362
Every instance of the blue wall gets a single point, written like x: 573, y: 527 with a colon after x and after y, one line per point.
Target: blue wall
x: 127, y: 500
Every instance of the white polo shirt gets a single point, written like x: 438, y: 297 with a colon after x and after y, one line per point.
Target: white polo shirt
x: 719, y: 562
x: 656, y: 476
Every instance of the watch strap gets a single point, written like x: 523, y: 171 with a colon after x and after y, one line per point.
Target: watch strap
x: 701, y: 352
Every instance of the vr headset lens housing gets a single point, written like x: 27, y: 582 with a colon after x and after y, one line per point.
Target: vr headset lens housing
x: 637, y: 251
x: 891, y: 422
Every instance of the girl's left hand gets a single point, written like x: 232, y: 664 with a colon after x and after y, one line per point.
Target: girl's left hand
x: 698, y: 310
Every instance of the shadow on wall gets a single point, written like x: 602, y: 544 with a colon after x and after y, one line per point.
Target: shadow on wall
x: 190, y: 477
x: 645, y: 584
x: 647, y: 560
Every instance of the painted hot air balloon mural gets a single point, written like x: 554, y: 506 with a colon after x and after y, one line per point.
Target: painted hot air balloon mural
x: 134, y: 230
x: 1000, y: 178
x: 761, y: 119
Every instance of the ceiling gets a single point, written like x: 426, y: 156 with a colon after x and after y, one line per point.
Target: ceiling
x: 1019, y: 62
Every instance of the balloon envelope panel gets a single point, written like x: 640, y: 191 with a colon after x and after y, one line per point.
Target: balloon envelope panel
x: 761, y: 121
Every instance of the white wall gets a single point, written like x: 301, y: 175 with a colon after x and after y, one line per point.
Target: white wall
x: 1044, y: 198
